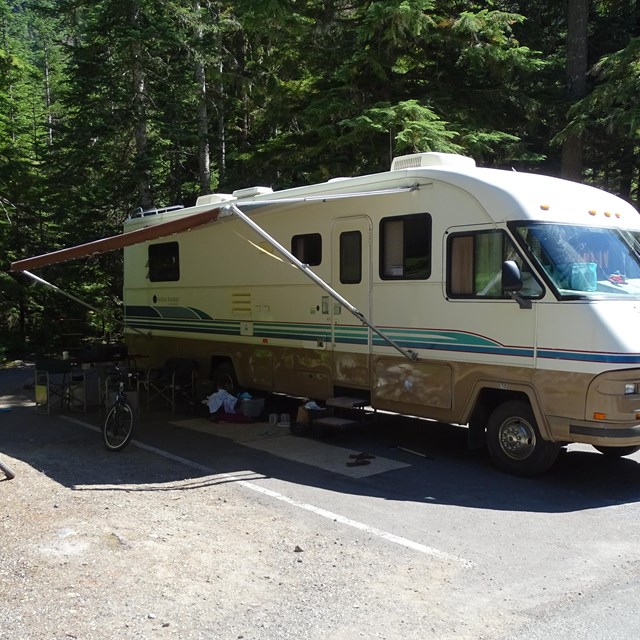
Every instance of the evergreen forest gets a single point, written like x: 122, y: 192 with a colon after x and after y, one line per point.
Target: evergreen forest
x: 107, y: 106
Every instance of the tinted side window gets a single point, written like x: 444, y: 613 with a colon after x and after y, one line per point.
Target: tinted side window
x: 307, y: 248
x: 164, y: 262
x: 475, y: 266
x: 350, y: 257
x: 405, y: 247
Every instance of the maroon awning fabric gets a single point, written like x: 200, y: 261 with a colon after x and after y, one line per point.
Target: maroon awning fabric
x: 112, y: 243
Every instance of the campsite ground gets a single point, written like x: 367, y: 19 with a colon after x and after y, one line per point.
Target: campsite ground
x: 204, y: 531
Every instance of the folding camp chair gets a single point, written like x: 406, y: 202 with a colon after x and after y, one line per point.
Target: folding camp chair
x: 52, y: 381
x: 173, y: 382
x: 83, y: 389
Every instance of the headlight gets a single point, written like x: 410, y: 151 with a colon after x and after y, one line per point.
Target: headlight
x: 630, y: 388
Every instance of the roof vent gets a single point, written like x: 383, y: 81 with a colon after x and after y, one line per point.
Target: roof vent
x: 139, y: 213
x: 213, y: 198
x: 431, y: 159
x: 249, y: 192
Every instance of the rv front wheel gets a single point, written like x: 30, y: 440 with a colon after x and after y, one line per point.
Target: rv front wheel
x: 515, y: 443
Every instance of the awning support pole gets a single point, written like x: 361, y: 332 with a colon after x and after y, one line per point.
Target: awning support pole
x: 235, y: 210
x: 78, y: 300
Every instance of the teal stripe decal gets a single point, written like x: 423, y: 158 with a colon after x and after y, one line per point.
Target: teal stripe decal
x: 192, y: 320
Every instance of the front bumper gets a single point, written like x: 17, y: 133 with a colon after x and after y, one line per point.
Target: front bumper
x: 611, y: 435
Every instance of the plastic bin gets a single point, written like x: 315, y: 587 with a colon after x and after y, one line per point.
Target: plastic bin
x: 250, y: 407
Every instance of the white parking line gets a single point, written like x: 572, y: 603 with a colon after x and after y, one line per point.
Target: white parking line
x: 373, y: 531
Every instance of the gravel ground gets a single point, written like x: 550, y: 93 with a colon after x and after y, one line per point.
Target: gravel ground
x: 133, y: 545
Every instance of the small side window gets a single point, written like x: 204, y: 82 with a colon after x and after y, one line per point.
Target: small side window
x: 350, y: 257
x: 307, y: 248
x: 405, y: 247
x: 164, y: 262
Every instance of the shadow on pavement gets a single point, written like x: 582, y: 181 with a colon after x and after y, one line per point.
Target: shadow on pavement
x: 438, y: 468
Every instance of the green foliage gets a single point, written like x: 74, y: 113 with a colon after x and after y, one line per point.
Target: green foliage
x: 612, y: 108
x: 108, y: 105
x: 398, y: 22
x: 411, y: 126
x: 609, y: 119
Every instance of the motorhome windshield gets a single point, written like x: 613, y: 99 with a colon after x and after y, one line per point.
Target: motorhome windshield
x: 585, y: 261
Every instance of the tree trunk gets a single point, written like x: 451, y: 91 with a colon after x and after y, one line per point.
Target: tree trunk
x: 47, y: 89
x: 578, y: 22
x: 204, y: 162
x: 139, y: 112
x: 222, y: 128
x: 220, y: 108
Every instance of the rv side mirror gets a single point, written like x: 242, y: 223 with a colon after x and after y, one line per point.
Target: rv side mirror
x: 511, y: 277
x: 512, y: 283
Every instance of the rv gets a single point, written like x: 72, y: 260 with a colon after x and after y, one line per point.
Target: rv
x: 506, y: 301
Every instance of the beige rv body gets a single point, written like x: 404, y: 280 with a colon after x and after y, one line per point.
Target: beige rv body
x: 237, y: 300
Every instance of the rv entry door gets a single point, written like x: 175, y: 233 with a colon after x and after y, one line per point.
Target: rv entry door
x: 351, y: 278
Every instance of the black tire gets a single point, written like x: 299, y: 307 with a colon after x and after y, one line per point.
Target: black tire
x: 8, y: 471
x: 617, y: 452
x: 515, y: 443
x: 118, y: 427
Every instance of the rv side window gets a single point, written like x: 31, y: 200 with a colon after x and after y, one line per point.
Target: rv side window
x: 475, y: 266
x: 164, y: 262
x: 307, y: 248
x: 405, y: 247
x: 350, y: 257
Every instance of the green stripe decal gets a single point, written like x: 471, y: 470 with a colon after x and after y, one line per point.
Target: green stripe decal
x: 193, y: 320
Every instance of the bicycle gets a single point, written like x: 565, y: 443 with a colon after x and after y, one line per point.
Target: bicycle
x: 8, y: 471
x: 118, y: 425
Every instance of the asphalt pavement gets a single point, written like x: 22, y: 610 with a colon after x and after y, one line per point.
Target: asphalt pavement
x: 550, y: 557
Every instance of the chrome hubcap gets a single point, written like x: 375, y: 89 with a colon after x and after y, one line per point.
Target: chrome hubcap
x: 517, y: 438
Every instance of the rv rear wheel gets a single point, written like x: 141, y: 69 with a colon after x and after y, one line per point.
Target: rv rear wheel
x: 616, y: 452
x: 515, y: 443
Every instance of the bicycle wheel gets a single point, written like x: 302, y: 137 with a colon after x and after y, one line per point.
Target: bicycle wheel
x: 8, y: 471
x: 118, y: 427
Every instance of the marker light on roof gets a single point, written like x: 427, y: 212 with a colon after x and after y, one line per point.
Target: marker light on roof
x: 607, y: 214
x: 545, y: 207
x: 592, y: 212
x: 618, y: 215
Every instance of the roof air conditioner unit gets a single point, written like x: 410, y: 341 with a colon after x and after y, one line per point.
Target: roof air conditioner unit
x: 431, y: 159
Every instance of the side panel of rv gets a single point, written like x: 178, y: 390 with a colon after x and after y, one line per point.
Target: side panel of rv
x: 234, y: 298
x: 536, y: 367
